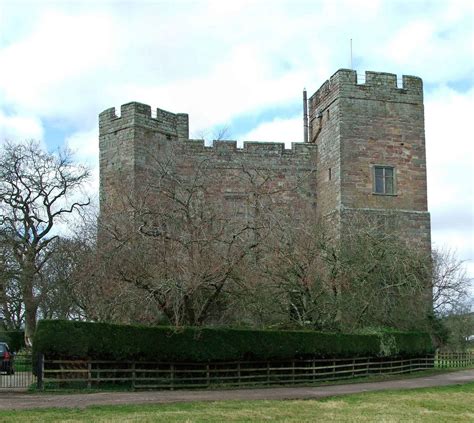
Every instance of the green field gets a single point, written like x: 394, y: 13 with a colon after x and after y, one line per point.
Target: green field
x: 445, y: 404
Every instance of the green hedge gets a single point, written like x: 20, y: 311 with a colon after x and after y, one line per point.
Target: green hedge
x: 57, y: 338
x: 14, y: 338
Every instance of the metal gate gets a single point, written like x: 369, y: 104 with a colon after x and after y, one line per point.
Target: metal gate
x: 20, y: 377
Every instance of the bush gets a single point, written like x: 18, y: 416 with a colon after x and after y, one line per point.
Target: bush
x: 57, y: 338
x: 410, y: 343
x: 14, y: 338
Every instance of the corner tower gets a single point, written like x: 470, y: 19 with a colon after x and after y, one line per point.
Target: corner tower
x: 371, y: 152
x: 126, y: 144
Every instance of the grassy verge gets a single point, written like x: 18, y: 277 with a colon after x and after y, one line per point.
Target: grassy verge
x: 443, y: 404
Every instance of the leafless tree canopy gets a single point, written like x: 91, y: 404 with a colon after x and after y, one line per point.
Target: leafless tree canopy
x: 266, y: 265
x: 37, y: 191
x: 450, y: 284
x: 179, y: 245
x: 180, y: 251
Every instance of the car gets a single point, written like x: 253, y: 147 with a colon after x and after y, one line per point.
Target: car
x: 6, y: 359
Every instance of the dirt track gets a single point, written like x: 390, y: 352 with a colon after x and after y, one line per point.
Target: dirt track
x: 22, y: 400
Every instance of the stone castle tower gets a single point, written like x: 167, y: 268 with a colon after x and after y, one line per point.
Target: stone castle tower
x: 371, y: 151
x: 365, y: 155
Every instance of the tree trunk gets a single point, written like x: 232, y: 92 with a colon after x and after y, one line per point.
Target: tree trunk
x: 31, y: 303
x: 30, y: 321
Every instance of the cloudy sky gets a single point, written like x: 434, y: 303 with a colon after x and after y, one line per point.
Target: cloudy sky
x: 243, y: 65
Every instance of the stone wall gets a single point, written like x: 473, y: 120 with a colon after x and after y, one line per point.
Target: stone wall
x: 133, y: 145
x: 359, y: 126
x: 352, y: 128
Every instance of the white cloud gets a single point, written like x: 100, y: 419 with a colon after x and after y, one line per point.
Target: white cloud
x: 450, y: 151
x: 450, y: 159
x: 85, y: 146
x: 18, y: 128
x: 427, y: 44
x: 278, y: 130
x: 48, y: 72
x: 213, y: 60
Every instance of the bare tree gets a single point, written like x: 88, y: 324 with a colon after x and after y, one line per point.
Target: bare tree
x: 219, y: 133
x: 460, y: 328
x: 11, y: 306
x: 369, y: 277
x: 289, y: 284
x: 176, y: 243
x: 450, y: 284
x: 58, y: 293
x: 38, y: 190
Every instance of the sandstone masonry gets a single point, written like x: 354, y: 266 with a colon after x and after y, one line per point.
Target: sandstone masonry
x: 354, y: 130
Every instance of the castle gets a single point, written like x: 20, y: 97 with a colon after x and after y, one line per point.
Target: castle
x: 364, y: 156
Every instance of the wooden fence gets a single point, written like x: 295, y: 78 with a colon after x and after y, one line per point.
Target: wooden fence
x: 445, y: 360
x: 159, y: 375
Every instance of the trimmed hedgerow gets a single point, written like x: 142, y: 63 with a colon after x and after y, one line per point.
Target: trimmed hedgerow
x: 14, y: 338
x: 407, y: 343
x: 119, y: 342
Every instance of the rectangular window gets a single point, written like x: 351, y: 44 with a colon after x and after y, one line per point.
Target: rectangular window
x: 384, y: 180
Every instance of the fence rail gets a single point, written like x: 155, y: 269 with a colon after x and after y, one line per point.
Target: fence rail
x: 454, y: 359
x: 159, y: 375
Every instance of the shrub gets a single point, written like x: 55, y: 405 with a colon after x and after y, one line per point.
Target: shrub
x: 14, y: 338
x: 410, y: 343
x: 57, y: 338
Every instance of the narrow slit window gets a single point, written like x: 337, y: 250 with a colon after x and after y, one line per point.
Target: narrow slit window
x: 384, y: 180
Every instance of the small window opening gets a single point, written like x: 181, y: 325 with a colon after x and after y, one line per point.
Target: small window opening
x: 384, y: 180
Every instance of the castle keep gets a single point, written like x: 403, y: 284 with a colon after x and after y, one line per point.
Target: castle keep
x: 365, y: 155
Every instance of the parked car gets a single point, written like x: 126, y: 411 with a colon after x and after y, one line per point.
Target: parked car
x: 6, y: 359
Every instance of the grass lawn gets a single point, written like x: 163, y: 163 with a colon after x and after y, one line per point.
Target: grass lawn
x: 444, y: 404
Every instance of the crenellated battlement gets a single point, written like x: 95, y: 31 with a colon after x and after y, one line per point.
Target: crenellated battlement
x: 249, y: 147
x: 134, y: 113
x: 177, y: 125
x: 377, y: 85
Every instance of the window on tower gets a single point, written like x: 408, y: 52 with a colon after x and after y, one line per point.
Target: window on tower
x: 384, y: 180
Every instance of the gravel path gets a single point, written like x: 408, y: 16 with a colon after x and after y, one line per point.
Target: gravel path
x: 22, y: 400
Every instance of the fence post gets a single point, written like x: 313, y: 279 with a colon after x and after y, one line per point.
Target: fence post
x: 208, y: 378
x: 172, y: 376
x: 40, y: 372
x: 238, y: 373
x: 89, y: 374
x: 134, y: 375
